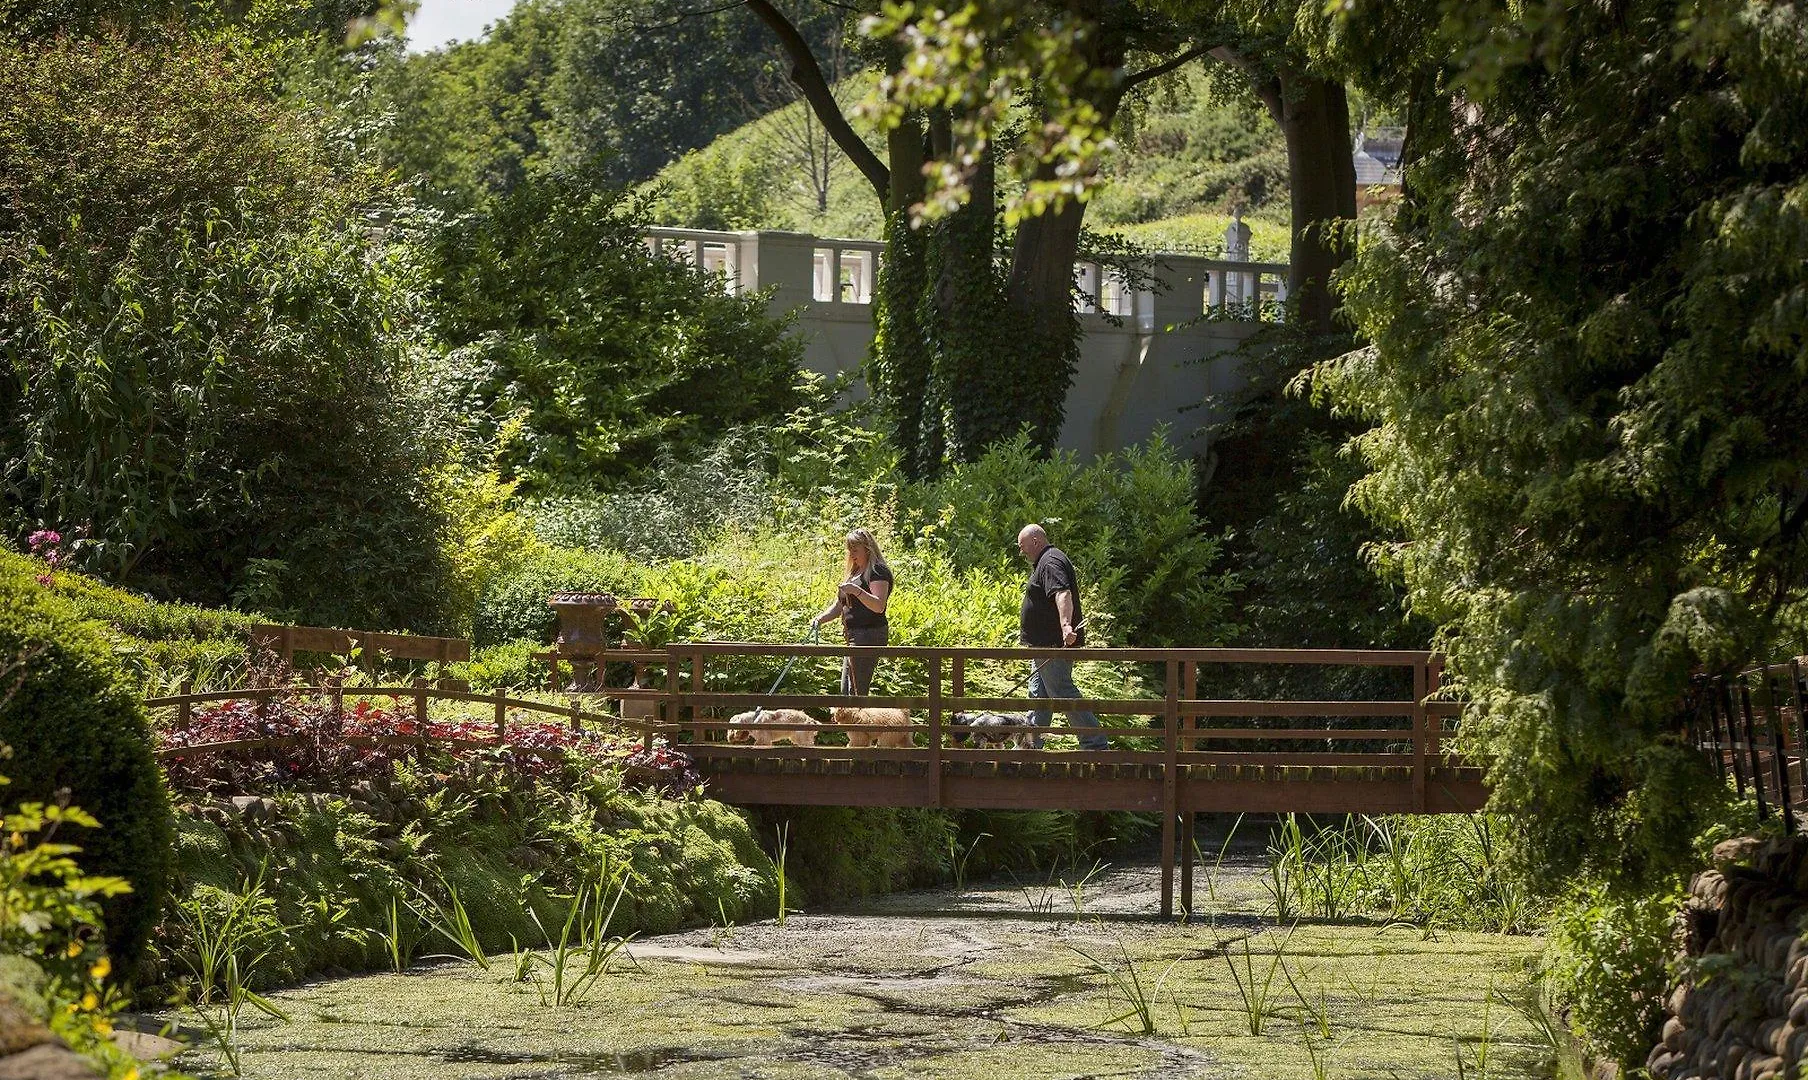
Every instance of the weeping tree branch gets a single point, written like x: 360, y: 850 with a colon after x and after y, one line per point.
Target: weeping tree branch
x: 1131, y: 82
x: 807, y: 74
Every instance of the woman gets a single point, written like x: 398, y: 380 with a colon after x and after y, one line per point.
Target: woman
x: 860, y: 601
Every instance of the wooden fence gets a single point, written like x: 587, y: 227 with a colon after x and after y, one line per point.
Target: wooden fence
x: 286, y: 641
x: 1750, y: 726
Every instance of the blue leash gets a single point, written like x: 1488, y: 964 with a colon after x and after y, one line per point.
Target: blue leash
x: 815, y: 631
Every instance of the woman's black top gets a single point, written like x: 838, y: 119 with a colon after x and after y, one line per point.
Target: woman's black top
x: 857, y: 616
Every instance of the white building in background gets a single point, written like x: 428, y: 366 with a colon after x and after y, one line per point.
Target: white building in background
x: 1148, y: 353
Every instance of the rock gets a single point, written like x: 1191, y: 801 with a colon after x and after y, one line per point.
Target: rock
x: 1764, y: 1068
x: 1767, y: 1036
x: 1673, y: 1029
x: 20, y: 1028
x: 48, y: 1061
x: 1739, y: 850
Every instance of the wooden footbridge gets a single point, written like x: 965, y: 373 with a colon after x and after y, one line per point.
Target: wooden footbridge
x: 1175, y: 755
x: 1184, y: 755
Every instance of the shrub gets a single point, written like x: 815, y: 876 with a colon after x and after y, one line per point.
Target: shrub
x: 158, y: 644
x: 74, y: 722
x: 693, y: 500
x: 602, y: 353
x: 513, y: 604
x: 1146, y: 564
x: 203, y: 364
x: 508, y: 666
x: 1607, y: 964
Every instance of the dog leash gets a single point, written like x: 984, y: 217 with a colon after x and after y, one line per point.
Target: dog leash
x: 1036, y: 666
x: 786, y: 670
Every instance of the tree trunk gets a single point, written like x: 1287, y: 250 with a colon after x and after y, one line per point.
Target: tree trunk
x: 1321, y: 177
x: 1039, y: 293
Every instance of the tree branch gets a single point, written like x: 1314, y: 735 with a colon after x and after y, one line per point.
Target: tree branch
x: 1132, y: 81
x: 1266, y: 85
x: 806, y: 73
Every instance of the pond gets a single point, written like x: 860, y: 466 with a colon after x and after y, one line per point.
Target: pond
x: 1025, y: 979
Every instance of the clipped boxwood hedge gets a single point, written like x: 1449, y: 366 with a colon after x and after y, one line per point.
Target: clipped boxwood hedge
x: 74, y: 721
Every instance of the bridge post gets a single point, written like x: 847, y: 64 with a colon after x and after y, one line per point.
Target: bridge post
x: 1420, y: 689
x: 935, y: 730
x: 501, y: 715
x: 1188, y: 820
x: 668, y: 708
x: 185, y: 709
x: 697, y: 687
x: 1170, y: 786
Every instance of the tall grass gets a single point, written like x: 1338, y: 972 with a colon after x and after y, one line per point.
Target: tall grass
x: 1141, y: 994
x: 584, y: 949
x: 224, y: 950
x: 1430, y: 870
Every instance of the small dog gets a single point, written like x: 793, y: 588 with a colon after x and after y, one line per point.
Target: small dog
x: 981, y: 729
x: 776, y: 725
x: 897, y: 718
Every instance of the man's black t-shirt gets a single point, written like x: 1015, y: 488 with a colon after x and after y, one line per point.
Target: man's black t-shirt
x: 1040, y: 622
x: 857, y: 616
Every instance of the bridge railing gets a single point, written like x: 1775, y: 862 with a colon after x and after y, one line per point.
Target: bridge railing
x: 1750, y: 725
x: 1186, y: 728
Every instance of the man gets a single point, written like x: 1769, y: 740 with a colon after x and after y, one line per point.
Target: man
x: 1051, y: 618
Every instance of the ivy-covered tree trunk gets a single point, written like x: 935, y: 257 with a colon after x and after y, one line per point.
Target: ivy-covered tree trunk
x: 976, y: 359
x: 1047, y: 330
x: 898, y: 368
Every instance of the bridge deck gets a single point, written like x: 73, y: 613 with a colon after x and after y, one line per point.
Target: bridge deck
x: 1069, y: 781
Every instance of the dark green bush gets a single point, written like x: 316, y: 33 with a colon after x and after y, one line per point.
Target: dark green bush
x: 75, y: 723
x: 513, y: 605
x: 203, y: 370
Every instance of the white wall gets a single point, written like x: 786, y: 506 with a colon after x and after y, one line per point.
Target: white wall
x: 1147, y: 370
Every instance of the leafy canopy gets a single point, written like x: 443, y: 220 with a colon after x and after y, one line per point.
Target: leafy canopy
x: 1587, y: 377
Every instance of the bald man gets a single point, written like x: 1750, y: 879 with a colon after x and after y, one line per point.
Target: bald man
x: 1051, y: 618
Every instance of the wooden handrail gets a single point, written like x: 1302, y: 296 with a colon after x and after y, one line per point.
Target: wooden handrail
x: 1330, y: 657
x: 264, y: 693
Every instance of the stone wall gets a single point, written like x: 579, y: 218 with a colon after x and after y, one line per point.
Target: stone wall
x: 1740, y: 1009
x: 1148, y: 357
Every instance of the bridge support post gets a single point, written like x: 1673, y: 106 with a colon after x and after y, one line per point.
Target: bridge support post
x: 1170, y: 786
x: 1189, y: 685
x: 935, y: 731
x: 1421, y: 688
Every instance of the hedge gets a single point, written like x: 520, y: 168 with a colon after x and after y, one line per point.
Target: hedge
x: 74, y: 722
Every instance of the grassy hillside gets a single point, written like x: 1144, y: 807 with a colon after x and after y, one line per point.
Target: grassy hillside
x: 1187, y: 159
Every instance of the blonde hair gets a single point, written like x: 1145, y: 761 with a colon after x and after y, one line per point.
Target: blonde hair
x: 863, y: 539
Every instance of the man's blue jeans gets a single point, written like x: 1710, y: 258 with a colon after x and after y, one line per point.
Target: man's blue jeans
x: 1054, y: 679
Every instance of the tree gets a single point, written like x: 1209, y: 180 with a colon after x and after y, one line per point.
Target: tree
x: 968, y: 351
x: 202, y: 365
x: 1586, y: 381
x: 558, y: 315
x: 1069, y: 58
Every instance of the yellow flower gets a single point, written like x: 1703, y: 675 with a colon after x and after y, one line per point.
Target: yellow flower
x: 131, y: 1074
x: 102, y: 1027
x: 101, y: 969
x: 90, y: 1002
x: 73, y: 950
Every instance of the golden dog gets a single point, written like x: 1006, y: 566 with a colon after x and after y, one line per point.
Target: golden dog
x: 776, y: 725
x: 897, y: 718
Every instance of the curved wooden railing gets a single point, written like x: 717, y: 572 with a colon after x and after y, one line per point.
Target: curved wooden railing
x: 419, y: 693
